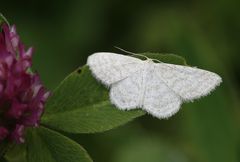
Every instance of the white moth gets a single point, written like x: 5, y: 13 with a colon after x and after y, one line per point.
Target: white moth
x: 158, y: 88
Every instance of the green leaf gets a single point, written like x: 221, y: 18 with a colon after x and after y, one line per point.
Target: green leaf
x: 81, y: 105
x: 16, y: 154
x: 45, y: 145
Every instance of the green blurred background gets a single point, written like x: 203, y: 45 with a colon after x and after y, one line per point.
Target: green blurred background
x: 205, y: 32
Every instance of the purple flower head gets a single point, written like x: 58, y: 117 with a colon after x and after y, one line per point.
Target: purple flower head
x: 22, y: 96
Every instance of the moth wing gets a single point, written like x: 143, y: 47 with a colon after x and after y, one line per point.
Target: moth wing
x: 110, y: 68
x: 160, y: 100
x: 125, y: 94
x: 188, y: 82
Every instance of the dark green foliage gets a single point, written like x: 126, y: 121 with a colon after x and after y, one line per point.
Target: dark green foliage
x: 45, y: 145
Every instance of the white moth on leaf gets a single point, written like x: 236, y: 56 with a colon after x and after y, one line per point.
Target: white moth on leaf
x: 158, y: 88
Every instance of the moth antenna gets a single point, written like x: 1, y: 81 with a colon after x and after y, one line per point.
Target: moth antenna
x: 135, y: 54
x: 141, y: 56
x: 131, y: 53
x: 157, y: 60
x: 124, y: 50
